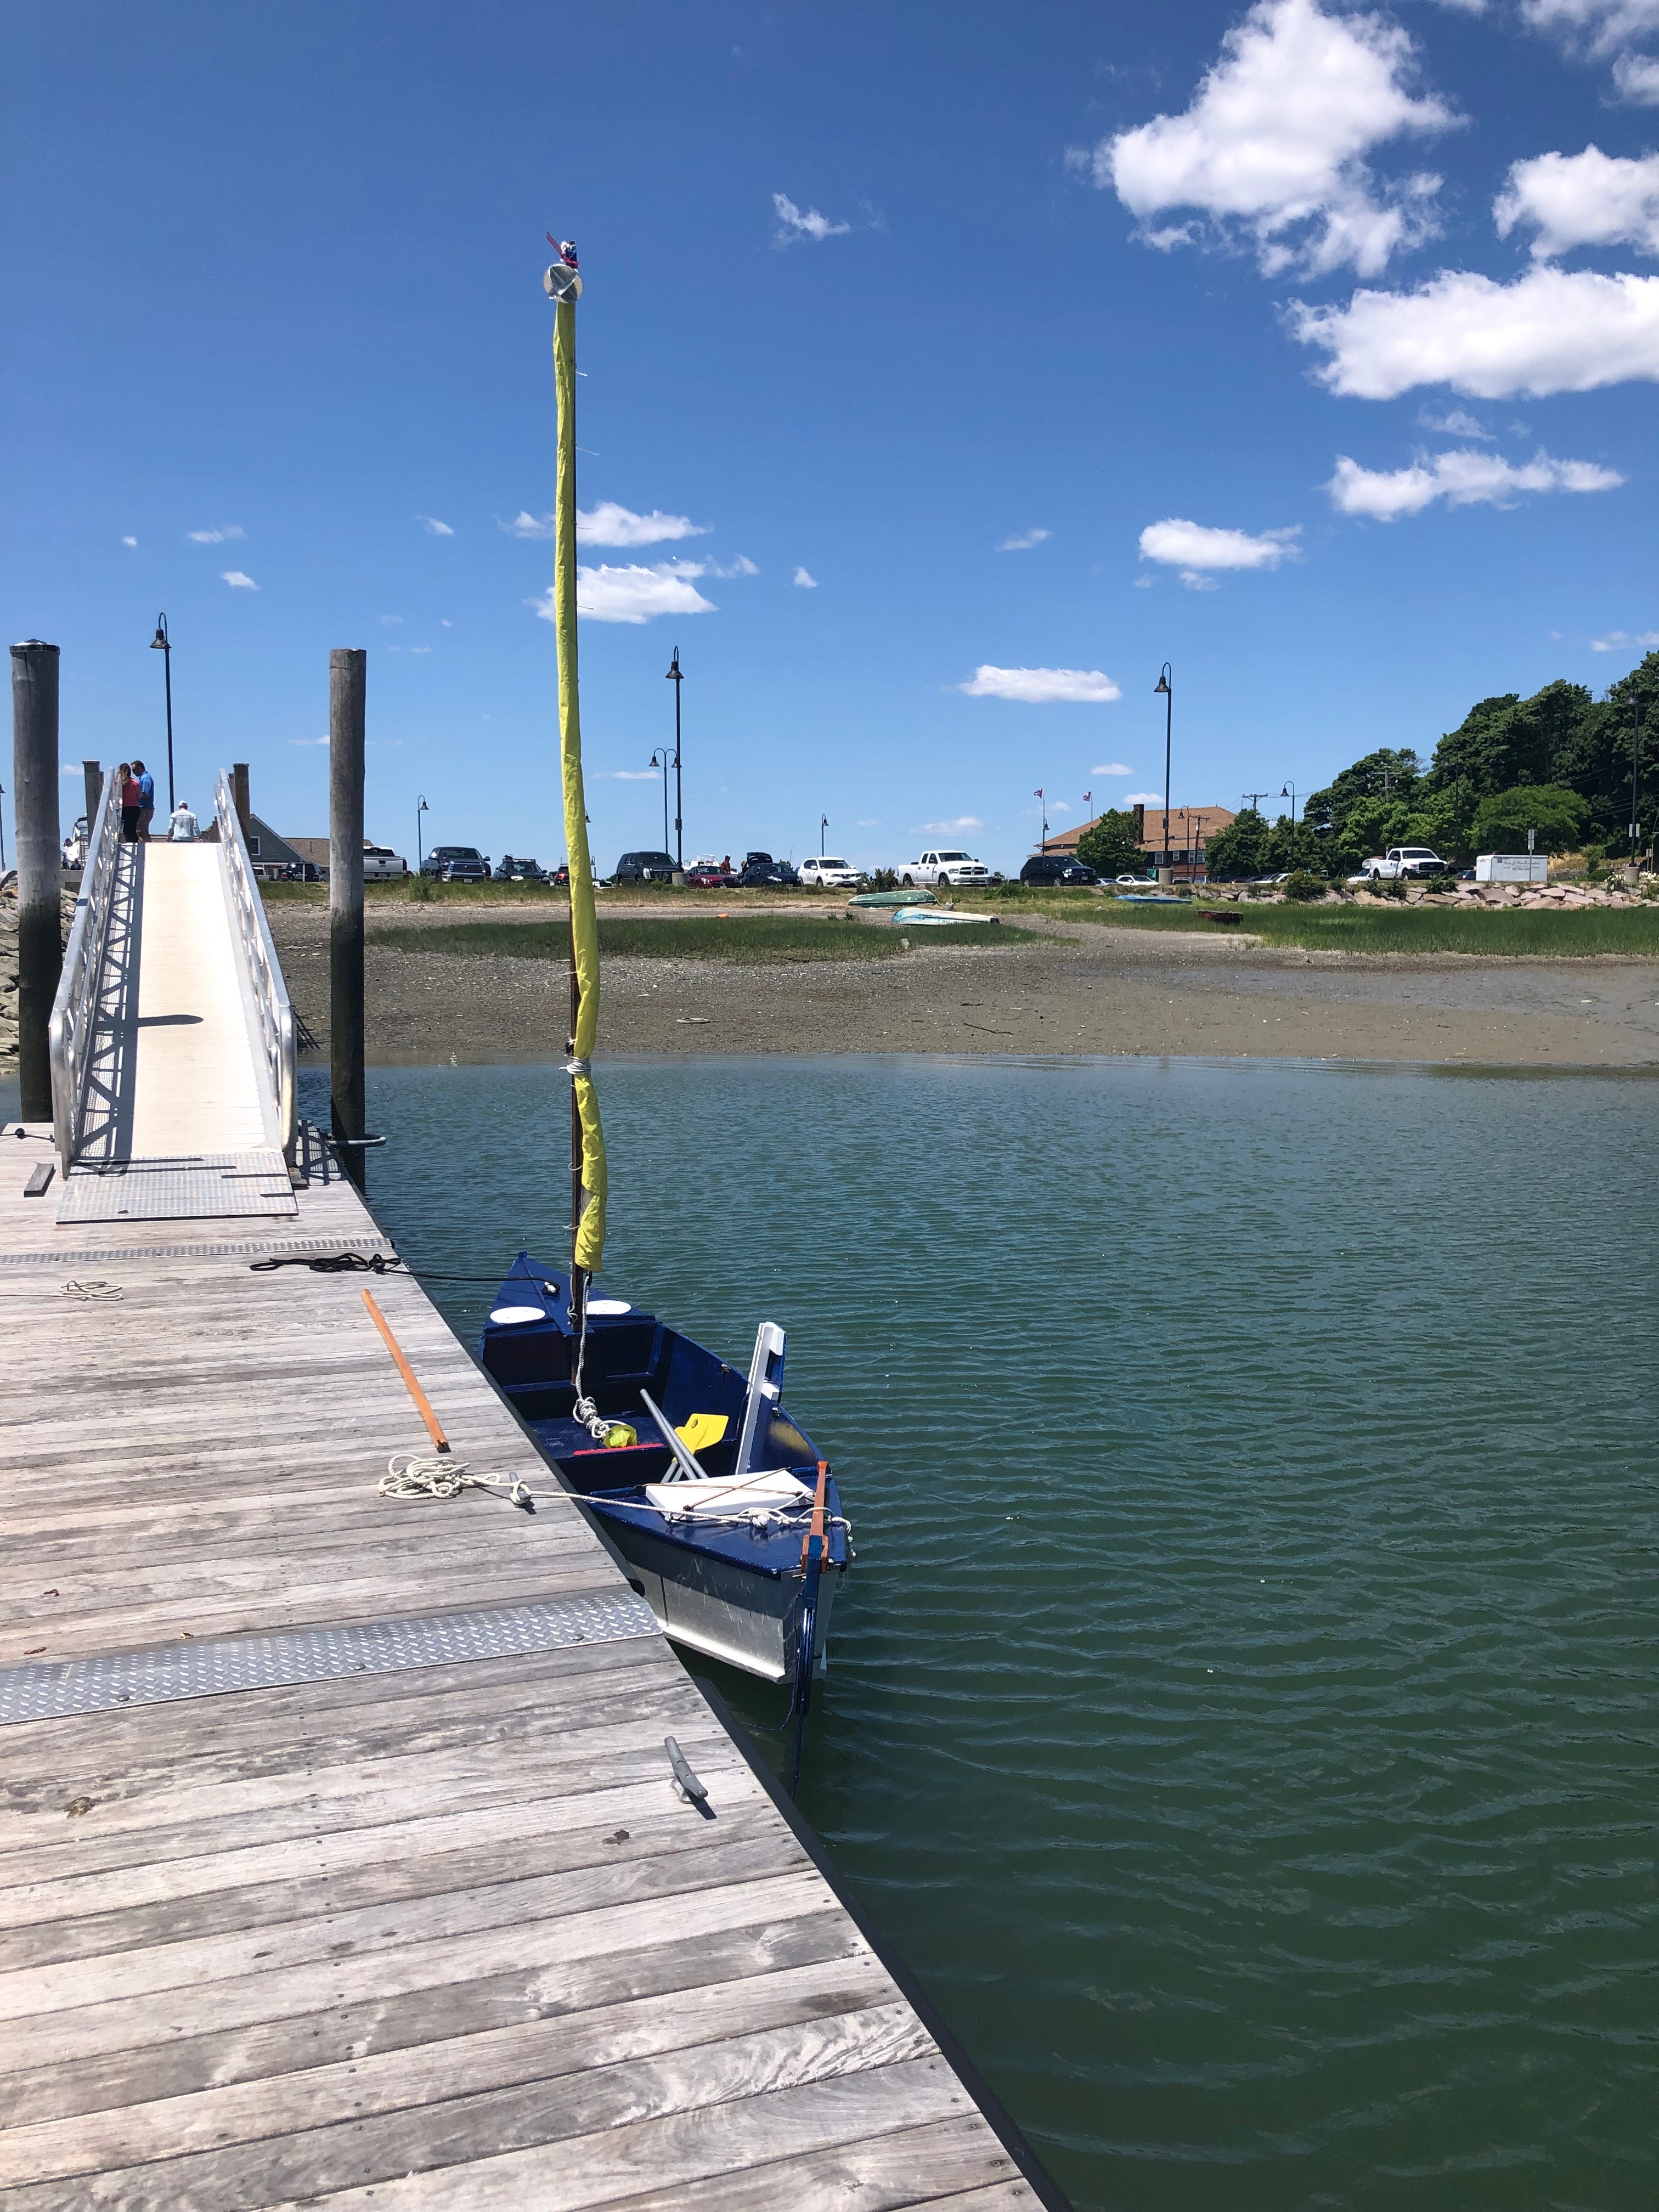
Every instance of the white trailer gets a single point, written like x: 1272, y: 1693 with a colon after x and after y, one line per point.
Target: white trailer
x: 1512, y: 868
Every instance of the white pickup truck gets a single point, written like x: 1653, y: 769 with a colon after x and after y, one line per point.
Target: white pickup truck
x: 942, y: 867
x: 1404, y: 860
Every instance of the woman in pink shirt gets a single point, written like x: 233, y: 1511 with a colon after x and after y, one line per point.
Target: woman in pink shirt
x: 131, y: 799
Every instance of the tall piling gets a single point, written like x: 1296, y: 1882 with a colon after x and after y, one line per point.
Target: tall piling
x: 238, y: 799
x: 347, y: 682
x: 35, y: 821
x: 92, y: 774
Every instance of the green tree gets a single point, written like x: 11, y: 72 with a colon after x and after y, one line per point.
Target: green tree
x: 1241, y: 849
x: 1387, y: 777
x: 1502, y: 821
x: 1110, y: 848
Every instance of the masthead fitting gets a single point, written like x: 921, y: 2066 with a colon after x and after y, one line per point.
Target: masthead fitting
x: 561, y: 282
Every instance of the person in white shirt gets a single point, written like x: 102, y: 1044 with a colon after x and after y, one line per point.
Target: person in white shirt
x: 183, y: 827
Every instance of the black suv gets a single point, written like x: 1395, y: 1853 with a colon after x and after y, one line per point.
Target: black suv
x: 762, y: 873
x: 644, y: 868
x: 1056, y: 868
x: 520, y: 872
x: 456, y: 864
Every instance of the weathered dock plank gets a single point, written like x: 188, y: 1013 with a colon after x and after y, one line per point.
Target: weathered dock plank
x: 433, y: 1935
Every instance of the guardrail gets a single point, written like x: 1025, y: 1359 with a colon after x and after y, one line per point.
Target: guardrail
x: 71, y: 1032
x: 270, y: 990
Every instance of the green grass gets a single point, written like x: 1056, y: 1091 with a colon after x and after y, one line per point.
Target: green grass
x: 766, y: 937
x: 1537, y: 934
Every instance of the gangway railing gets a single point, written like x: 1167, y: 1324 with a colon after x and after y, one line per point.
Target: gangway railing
x: 71, y: 1032
x: 270, y: 998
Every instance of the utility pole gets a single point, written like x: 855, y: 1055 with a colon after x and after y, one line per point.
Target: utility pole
x: 1252, y: 799
x: 677, y: 679
x: 1166, y: 871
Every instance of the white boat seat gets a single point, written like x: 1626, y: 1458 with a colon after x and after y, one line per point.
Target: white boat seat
x: 771, y: 1487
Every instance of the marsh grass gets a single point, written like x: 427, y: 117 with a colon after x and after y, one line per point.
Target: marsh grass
x: 748, y: 941
x: 1495, y: 931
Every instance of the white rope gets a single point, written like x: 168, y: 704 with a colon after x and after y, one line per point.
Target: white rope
x: 417, y: 1474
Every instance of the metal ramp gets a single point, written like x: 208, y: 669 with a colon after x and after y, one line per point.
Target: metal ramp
x: 172, y: 1035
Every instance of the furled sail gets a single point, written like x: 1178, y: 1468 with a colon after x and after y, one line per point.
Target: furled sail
x: 564, y: 286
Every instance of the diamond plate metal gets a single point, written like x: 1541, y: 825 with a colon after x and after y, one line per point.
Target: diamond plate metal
x: 212, y: 1185
x: 264, y: 1247
x: 168, y: 1672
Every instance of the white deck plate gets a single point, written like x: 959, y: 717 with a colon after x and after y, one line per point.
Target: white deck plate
x: 211, y: 1186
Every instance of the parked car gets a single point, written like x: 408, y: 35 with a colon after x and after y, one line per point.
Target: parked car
x: 1404, y: 860
x: 381, y: 865
x: 944, y: 867
x: 1056, y: 868
x: 561, y: 875
x: 762, y: 873
x: 644, y: 868
x: 457, y: 864
x: 512, y: 870
x: 710, y: 875
x: 823, y: 872
x: 1136, y: 882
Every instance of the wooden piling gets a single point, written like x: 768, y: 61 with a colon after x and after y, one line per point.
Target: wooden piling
x: 347, y: 670
x: 240, y: 800
x: 35, y: 817
x: 92, y: 774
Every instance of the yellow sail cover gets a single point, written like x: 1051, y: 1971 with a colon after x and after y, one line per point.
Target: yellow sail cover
x: 584, y: 922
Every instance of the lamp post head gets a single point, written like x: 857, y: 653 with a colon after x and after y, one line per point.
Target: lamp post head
x: 1162, y: 686
x: 673, y: 675
x: 160, y: 642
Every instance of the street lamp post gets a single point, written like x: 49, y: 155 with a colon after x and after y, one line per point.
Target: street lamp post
x: 660, y: 759
x: 1038, y: 794
x: 1167, y: 688
x: 420, y: 849
x: 823, y: 823
x: 1289, y: 792
x: 162, y: 643
x: 677, y: 679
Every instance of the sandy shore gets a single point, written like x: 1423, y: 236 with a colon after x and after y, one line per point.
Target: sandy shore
x: 1082, y: 989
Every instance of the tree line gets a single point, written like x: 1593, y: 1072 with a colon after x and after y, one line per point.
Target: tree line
x: 1559, y: 763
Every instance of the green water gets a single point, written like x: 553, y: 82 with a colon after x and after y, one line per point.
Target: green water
x: 1241, y: 1714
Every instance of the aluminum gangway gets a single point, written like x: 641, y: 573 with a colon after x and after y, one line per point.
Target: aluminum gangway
x: 172, y: 1036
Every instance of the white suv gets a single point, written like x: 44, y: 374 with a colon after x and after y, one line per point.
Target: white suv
x: 827, y: 873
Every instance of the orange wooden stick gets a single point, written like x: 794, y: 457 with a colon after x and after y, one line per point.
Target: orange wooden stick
x: 817, y: 1527
x: 422, y: 1404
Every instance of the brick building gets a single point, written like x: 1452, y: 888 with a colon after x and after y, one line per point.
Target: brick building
x: 1190, y: 828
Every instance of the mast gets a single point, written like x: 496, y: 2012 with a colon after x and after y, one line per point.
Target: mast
x: 588, y: 1167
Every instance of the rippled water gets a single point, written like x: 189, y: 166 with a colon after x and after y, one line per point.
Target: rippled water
x: 1243, y: 1713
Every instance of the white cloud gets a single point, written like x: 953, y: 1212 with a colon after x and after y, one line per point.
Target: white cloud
x: 1590, y: 198
x: 129, y: 541
x: 1024, y: 541
x: 390, y: 622
x: 444, y: 623
x: 1196, y: 550
x: 1461, y: 478
x: 947, y: 829
x: 611, y: 524
x: 793, y: 224
x: 1620, y: 640
x: 1041, y: 687
x: 1274, y: 140
x: 1456, y: 423
x: 526, y: 525
x: 873, y: 821
x: 434, y: 527
x: 1143, y: 798
x: 238, y: 580
x: 420, y: 649
x: 217, y: 537
x: 1553, y: 330
x: 634, y: 594
x: 323, y: 740
x: 1637, y: 76
x: 1111, y: 768
x: 806, y: 583
x: 1600, y: 26
x: 627, y: 774
x: 742, y: 566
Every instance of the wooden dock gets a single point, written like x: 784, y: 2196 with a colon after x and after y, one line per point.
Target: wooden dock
x: 340, y: 1864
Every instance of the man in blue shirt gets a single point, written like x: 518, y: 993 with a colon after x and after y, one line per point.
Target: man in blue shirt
x: 146, y: 799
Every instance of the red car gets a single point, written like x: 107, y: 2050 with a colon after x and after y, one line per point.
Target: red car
x: 710, y: 876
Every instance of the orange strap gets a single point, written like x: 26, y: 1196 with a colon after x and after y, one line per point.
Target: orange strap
x: 422, y: 1404
x: 817, y: 1527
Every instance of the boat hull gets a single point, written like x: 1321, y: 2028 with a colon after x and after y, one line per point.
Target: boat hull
x: 719, y: 1610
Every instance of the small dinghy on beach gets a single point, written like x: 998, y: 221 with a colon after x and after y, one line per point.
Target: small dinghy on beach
x: 726, y: 1521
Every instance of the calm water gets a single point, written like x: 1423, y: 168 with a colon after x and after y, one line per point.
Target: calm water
x: 1243, y: 1712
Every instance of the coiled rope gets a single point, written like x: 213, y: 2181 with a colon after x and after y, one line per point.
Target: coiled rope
x: 418, y: 1475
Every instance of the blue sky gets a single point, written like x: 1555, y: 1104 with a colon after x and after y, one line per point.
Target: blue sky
x: 1311, y: 349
